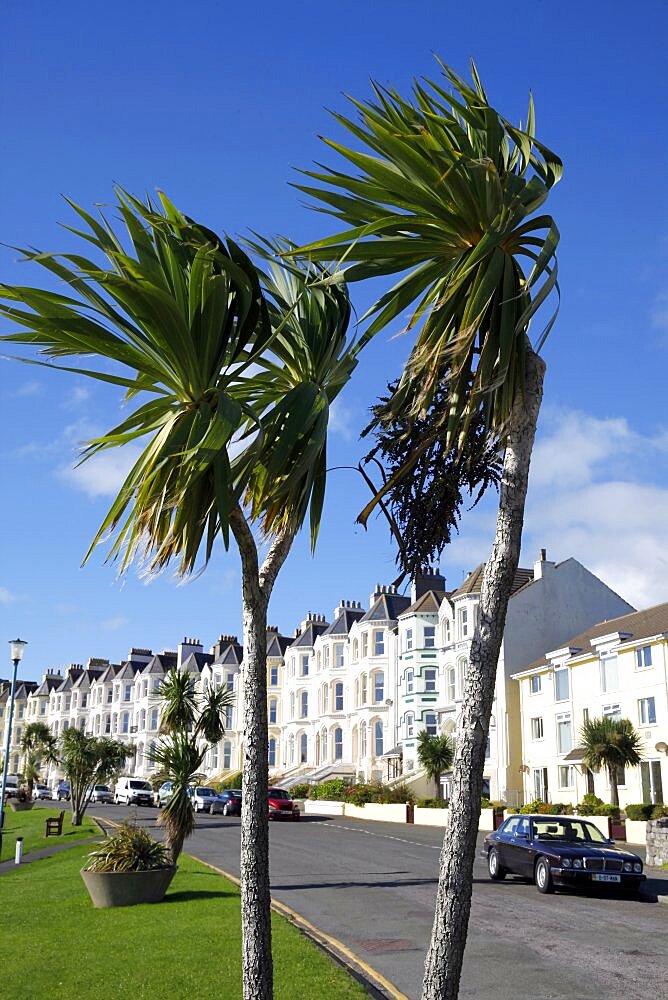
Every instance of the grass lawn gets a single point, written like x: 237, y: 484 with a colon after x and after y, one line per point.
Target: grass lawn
x: 55, y: 945
x: 31, y: 826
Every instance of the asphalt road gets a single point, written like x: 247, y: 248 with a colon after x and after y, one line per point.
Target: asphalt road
x: 372, y: 886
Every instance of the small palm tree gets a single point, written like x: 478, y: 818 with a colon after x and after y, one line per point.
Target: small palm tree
x: 436, y: 754
x: 88, y: 761
x: 38, y: 746
x: 188, y: 731
x: 610, y: 744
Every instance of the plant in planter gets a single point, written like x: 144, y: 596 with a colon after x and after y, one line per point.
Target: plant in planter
x: 22, y: 801
x: 127, y: 868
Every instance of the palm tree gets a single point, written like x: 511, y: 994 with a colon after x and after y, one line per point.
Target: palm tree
x: 611, y: 744
x: 436, y: 754
x: 38, y: 746
x: 87, y: 761
x: 188, y: 732
x: 237, y: 371
x: 445, y: 192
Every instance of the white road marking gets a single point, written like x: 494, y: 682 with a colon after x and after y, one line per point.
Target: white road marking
x: 383, y: 836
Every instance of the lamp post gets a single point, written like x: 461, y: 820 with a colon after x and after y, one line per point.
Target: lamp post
x: 16, y: 652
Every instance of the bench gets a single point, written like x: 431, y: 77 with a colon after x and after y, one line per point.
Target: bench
x: 54, y: 825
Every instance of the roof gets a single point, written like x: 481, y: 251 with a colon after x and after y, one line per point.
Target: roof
x: 343, y: 622
x: 277, y: 644
x: 386, y: 608
x: 429, y: 603
x: 197, y: 661
x: 473, y: 582
x: 231, y: 656
x: 576, y: 755
x: 48, y: 684
x: 308, y: 635
x: 636, y: 626
x: 161, y: 663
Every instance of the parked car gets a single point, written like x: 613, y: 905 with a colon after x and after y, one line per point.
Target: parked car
x: 101, y: 793
x: 560, y: 851
x: 205, y: 799
x: 133, y: 791
x: 230, y: 799
x: 281, y: 805
x: 163, y: 793
x: 40, y: 791
x: 12, y: 786
x: 63, y: 791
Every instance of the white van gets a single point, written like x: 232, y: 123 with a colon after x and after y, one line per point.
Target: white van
x: 133, y: 791
x: 12, y: 786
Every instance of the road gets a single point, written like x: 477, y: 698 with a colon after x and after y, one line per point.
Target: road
x: 372, y: 886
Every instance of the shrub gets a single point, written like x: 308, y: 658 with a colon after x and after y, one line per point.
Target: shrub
x: 639, y: 810
x: 659, y: 811
x: 130, y: 849
x: 359, y: 795
x: 334, y: 789
x: 591, y: 805
x: 532, y: 807
x: 396, y: 795
x: 433, y: 803
x: 486, y: 803
x: 300, y: 790
x: 233, y: 781
x: 23, y: 794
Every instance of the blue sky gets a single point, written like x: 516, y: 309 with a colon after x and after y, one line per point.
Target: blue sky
x: 216, y: 105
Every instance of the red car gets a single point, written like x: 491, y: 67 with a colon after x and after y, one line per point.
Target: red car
x: 281, y: 805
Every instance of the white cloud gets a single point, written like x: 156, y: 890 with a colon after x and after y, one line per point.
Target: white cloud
x: 27, y: 389
x: 76, y: 397
x: 6, y: 596
x: 659, y: 312
x: 104, y: 473
x: 113, y: 624
x: 342, y: 421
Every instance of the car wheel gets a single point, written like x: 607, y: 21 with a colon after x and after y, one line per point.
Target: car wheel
x: 496, y: 871
x: 115, y: 800
x: 544, y: 882
x: 226, y: 810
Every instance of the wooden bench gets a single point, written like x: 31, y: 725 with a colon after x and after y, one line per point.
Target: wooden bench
x: 54, y: 825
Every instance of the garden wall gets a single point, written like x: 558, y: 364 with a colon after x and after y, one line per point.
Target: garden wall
x: 657, y: 842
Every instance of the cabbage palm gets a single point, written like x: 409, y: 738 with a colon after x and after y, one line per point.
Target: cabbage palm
x: 445, y: 192
x: 236, y: 371
x: 38, y: 746
x: 188, y: 730
x: 611, y: 744
x: 87, y: 761
x: 436, y: 754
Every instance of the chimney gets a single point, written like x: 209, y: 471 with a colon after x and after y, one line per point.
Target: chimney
x: 542, y: 566
x: 185, y: 648
x: 424, y: 581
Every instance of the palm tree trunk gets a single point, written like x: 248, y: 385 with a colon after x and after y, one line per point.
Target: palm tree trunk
x: 256, y: 585
x: 614, y: 791
x: 444, y: 959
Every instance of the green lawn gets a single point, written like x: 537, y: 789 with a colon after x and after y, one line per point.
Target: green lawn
x: 55, y: 945
x: 31, y: 826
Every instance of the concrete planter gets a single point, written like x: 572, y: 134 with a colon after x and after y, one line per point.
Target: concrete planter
x: 19, y: 807
x: 127, y: 888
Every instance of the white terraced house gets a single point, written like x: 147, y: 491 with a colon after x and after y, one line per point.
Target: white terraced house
x: 348, y: 698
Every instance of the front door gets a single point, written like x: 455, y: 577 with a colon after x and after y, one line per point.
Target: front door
x: 650, y: 776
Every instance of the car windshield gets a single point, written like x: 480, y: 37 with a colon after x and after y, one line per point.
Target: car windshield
x: 101, y: 788
x: 140, y: 786
x: 573, y: 831
x: 278, y: 793
x: 206, y: 791
x: 235, y: 794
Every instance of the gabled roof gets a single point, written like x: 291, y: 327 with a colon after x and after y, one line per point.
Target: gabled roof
x: 109, y: 674
x: 277, y: 644
x: 196, y: 661
x: 231, y: 656
x: 306, y: 638
x: 128, y: 670
x: 637, y: 625
x: 473, y: 582
x: 48, y: 684
x: 428, y: 604
x: 161, y: 663
x: 88, y: 677
x: 386, y: 608
x: 344, y: 621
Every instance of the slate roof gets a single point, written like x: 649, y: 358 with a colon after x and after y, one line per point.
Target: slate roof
x: 306, y: 638
x: 386, y: 608
x: 637, y: 625
x: 428, y: 604
x: 48, y: 684
x: 343, y: 622
x: 196, y: 661
x: 129, y: 670
x: 277, y: 644
x: 473, y: 582
x: 161, y: 663
x: 231, y: 655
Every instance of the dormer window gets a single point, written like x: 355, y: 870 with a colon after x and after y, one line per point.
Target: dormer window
x: 535, y: 684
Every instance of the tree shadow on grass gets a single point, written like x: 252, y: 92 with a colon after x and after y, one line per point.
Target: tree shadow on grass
x: 194, y: 894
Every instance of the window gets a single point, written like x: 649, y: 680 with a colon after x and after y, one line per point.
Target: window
x: 127, y: 692
x: 650, y: 777
x: 144, y: 689
x: 292, y: 704
x: 561, y: 684
x: 646, y: 711
x: 429, y: 636
x: 363, y: 689
x: 154, y: 718
x: 585, y: 715
x: 273, y: 676
x: 378, y: 642
x: 609, y: 679
x: 363, y: 746
x: 378, y: 686
x: 447, y: 632
x: 355, y: 649
x: 566, y: 776
x: 378, y: 738
x: 304, y: 659
x: 110, y: 696
x: 125, y: 722
x: 540, y: 784
x: 430, y: 680
x: 410, y: 723
x: 535, y: 684
x: 68, y: 705
x: 107, y: 724
x: 230, y: 682
x: 537, y: 729
x: 326, y: 657
x: 227, y: 755
x: 291, y: 750
x: 488, y: 748
x: 338, y: 743
x: 84, y: 702
x: 409, y: 638
x: 451, y: 681
x: 325, y: 697
x: 22, y: 710
x: 463, y: 623
x: 365, y: 644
x: 564, y: 734
x: 303, y: 704
x: 318, y: 661
x: 273, y: 711
x: 272, y: 752
x: 214, y: 758
x: 338, y: 655
x: 229, y: 717
x: 643, y: 658
x: 612, y: 712
x: 42, y: 707
x: 409, y: 682
x: 431, y: 724
x: 303, y: 748
x: 142, y: 719
x: 338, y: 697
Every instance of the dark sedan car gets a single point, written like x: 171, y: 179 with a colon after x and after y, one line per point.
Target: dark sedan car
x: 231, y: 801
x: 559, y: 851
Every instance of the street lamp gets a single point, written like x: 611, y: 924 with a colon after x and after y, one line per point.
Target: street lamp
x: 16, y: 647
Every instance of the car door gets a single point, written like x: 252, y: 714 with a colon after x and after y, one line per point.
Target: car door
x: 506, y: 839
x: 518, y: 849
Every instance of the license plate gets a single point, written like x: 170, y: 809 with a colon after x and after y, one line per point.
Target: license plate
x: 606, y: 878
